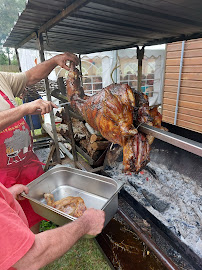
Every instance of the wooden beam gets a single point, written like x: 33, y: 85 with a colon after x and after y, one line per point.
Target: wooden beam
x: 52, y: 22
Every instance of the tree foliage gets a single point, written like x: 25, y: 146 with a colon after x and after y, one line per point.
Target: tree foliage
x: 3, y: 59
x: 9, y: 10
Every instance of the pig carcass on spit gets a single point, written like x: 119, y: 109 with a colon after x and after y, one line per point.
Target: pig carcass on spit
x: 116, y: 112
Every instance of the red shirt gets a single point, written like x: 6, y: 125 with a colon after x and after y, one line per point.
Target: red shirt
x: 15, y: 236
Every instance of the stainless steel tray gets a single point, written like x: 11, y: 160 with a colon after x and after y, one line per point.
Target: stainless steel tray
x: 97, y: 191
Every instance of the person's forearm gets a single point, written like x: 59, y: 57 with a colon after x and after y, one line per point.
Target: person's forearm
x: 52, y: 244
x: 40, y: 71
x: 8, y: 117
x: 38, y: 106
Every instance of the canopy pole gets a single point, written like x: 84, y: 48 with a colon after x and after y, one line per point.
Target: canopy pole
x: 18, y: 59
x: 80, y: 69
x: 140, y: 56
x: 47, y: 88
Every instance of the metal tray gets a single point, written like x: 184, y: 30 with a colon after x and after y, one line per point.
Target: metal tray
x: 97, y: 191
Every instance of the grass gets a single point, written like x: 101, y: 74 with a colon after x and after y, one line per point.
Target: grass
x: 84, y: 255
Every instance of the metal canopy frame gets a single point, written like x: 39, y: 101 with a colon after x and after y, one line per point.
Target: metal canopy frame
x: 84, y: 26
x: 52, y: 22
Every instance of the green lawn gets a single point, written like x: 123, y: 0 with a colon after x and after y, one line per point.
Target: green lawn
x: 85, y: 255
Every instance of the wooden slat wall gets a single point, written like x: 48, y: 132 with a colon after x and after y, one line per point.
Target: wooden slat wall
x: 190, y: 100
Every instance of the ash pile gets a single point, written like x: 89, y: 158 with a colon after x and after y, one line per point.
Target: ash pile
x: 173, y: 198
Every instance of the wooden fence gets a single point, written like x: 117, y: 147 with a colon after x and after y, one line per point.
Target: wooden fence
x: 190, y: 100
x: 7, y: 68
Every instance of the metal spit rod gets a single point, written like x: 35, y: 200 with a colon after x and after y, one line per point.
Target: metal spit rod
x: 63, y: 104
x: 149, y: 242
x: 179, y: 141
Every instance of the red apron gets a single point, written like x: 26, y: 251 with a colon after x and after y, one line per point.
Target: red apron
x: 18, y: 163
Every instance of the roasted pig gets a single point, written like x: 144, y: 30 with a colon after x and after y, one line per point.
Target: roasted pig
x: 70, y: 205
x: 116, y: 112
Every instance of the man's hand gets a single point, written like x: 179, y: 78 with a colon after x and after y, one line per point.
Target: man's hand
x: 43, y: 69
x: 17, y: 189
x: 38, y: 106
x: 61, y: 59
x: 94, y: 220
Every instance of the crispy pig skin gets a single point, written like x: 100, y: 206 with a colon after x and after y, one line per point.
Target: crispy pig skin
x: 113, y: 112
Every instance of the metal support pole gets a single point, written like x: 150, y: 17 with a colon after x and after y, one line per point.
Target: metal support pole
x: 115, y: 64
x: 31, y: 122
x: 140, y: 56
x: 171, y: 138
x: 61, y: 85
x: 47, y: 88
x: 18, y: 59
x: 80, y: 68
x: 69, y: 123
x: 179, y: 83
x: 71, y: 133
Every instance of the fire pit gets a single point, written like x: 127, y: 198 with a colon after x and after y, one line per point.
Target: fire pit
x: 171, y: 197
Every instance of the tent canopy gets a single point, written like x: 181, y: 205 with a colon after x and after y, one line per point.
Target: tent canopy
x: 83, y: 26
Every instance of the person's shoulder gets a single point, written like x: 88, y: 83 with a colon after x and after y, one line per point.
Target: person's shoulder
x: 13, y: 76
x: 19, y: 75
x: 8, y: 74
x: 3, y: 74
x: 4, y: 77
x: 16, y: 82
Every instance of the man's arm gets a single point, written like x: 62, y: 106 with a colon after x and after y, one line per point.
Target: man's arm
x: 42, y: 70
x: 52, y: 244
x: 34, y: 75
x: 39, y: 106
